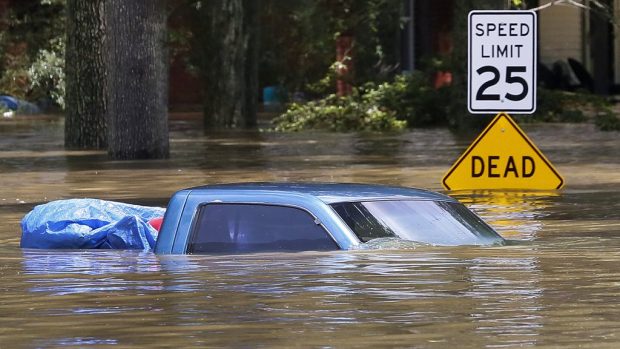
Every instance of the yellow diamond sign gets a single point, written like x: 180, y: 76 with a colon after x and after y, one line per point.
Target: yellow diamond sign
x: 502, y: 157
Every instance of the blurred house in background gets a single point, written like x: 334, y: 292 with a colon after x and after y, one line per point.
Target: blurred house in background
x: 573, y: 41
x: 587, y: 38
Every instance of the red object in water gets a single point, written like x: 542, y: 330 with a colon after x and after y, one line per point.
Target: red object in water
x: 156, y: 223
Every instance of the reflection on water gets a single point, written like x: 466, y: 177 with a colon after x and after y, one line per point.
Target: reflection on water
x: 496, y: 296
x: 557, y: 286
x: 390, y: 294
x: 515, y: 214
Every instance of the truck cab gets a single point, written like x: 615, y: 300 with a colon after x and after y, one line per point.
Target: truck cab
x: 263, y: 217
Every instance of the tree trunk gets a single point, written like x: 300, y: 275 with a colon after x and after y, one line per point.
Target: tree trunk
x: 85, y: 125
x: 229, y: 62
x: 344, y: 55
x: 251, y: 10
x: 137, y: 88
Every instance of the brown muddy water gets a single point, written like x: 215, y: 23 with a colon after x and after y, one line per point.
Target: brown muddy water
x: 557, y: 286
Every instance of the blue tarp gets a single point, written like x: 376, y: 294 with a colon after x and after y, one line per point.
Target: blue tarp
x: 9, y: 102
x: 18, y: 105
x: 88, y: 224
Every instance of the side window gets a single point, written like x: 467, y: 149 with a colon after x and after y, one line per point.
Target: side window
x: 362, y: 222
x: 238, y: 228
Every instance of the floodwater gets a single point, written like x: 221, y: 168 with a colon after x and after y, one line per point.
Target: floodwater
x: 558, y: 285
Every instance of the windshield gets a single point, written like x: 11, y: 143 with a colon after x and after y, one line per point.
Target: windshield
x: 433, y: 222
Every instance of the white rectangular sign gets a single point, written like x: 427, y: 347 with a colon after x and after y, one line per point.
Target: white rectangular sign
x: 502, y: 62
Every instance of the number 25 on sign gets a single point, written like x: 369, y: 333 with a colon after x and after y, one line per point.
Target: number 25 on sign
x: 502, y: 62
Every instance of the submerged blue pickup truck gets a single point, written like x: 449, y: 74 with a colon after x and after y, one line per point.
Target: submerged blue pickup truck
x: 250, y: 217
x: 262, y: 217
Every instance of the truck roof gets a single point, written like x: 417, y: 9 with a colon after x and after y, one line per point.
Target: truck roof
x: 327, y: 192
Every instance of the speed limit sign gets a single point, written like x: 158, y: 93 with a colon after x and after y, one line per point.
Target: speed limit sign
x: 502, y: 62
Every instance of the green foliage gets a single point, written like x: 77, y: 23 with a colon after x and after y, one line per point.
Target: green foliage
x: 409, y: 100
x: 33, y: 34
x: 34, y: 24
x: 299, y: 41
x: 297, y: 46
x: 413, y: 99
x: 607, y: 121
x: 14, y: 64
x: 327, y: 83
x: 358, y: 112
x: 563, y: 106
x: 551, y: 104
x: 47, y: 74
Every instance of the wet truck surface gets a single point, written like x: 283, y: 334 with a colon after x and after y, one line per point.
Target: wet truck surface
x: 259, y: 217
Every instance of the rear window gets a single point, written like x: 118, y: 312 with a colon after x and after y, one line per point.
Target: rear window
x: 238, y: 228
